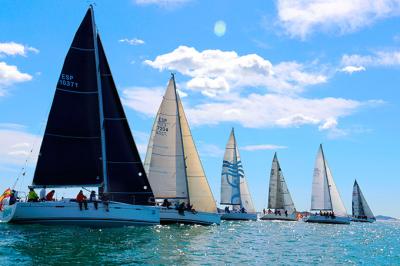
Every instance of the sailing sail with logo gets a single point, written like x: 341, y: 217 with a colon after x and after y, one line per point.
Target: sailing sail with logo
x: 88, y: 142
x: 173, y: 164
x: 234, y: 187
x: 325, y: 195
x: 360, y: 209
x: 279, y: 197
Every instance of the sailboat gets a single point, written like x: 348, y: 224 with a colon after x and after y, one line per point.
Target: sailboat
x: 174, y: 168
x: 279, y: 198
x: 325, y: 199
x: 360, y: 209
x: 88, y: 143
x: 234, y: 188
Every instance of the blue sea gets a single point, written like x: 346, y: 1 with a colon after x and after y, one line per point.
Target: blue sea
x: 253, y: 243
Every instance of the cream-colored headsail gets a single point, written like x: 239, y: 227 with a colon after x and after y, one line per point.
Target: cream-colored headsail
x: 164, y: 163
x: 337, y: 203
x: 200, y: 193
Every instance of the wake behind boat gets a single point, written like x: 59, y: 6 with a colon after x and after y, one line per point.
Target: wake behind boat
x: 88, y: 143
x: 361, y: 212
x: 279, y: 198
x: 234, y: 188
x: 325, y: 199
x: 174, y: 167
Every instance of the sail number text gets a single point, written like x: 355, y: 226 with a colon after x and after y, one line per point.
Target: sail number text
x: 68, y: 80
x: 162, y: 127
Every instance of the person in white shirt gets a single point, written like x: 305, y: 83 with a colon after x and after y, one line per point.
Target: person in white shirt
x: 42, y: 195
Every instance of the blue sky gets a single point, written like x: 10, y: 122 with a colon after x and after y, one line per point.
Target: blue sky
x: 286, y: 74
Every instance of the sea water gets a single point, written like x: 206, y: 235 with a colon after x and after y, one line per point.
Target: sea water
x: 252, y: 243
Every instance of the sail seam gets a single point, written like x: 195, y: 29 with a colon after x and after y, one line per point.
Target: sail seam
x: 72, y: 137
x: 83, y: 49
x: 78, y: 92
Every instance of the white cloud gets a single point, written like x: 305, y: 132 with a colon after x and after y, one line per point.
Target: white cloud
x: 133, y: 41
x: 352, y: 69
x: 302, y: 17
x: 216, y: 72
x: 210, y: 150
x: 261, y: 147
x: 12, y: 48
x: 378, y: 58
x: 162, y: 3
x: 143, y: 100
x: 254, y: 110
x: 16, y: 146
x: 10, y: 75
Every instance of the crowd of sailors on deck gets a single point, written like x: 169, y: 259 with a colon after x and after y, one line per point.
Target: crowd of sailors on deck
x: 181, y: 207
x: 361, y: 217
x: 277, y: 212
x: 241, y: 210
x: 81, y: 199
x: 326, y: 214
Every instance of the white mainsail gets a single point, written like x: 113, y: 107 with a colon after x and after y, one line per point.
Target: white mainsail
x: 230, y: 179
x: 172, y: 162
x: 279, y: 196
x: 359, y: 204
x: 234, y: 187
x: 325, y: 195
x: 164, y: 163
x: 200, y: 194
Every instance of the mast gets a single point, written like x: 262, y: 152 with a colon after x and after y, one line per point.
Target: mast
x: 180, y: 130
x: 326, y: 176
x: 101, y: 110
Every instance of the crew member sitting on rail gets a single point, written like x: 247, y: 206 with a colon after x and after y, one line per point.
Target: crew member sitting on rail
x: 50, y: 196
x: 32, y: 196
x: 80, y: 198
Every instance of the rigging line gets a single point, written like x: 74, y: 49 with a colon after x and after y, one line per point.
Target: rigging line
x: 24, y: 169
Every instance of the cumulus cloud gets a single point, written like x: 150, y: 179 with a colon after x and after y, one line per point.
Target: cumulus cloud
x: 261, y: 147
x: 378, y: 58
x: 302, y: 17
x: 12, y: 48
x: 216, y: 72
x: 143, y: 100
x: 10, y: 75
x: 254, y: 110
x: 16, y: 145
x: 352, y: 69
x: 133, y: 41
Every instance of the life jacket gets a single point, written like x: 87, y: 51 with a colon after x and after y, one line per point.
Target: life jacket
x: 32, y: 195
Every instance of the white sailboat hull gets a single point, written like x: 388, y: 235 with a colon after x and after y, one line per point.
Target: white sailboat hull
x: 368, y: 220
x: 327, y: 219
x: 238, y: 216
x: 171, y: 216
x: 68, y: 213
x: 283, y: 217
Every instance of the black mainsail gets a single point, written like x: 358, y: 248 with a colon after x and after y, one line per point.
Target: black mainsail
x: 87, y: 141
